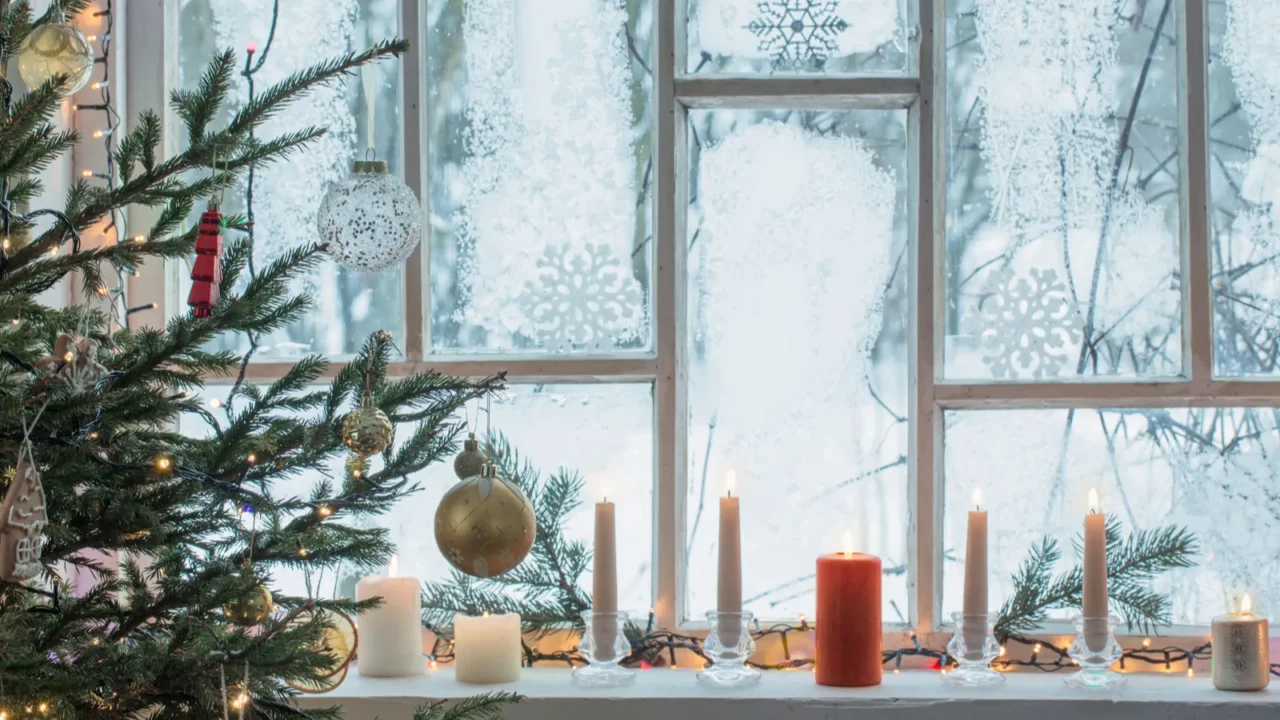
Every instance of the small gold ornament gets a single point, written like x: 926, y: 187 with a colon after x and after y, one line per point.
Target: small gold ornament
x: 471, y: 461
x: 52, y: 49
x: 367, y: 430
x: 251, y: 608
x: 485, y: 525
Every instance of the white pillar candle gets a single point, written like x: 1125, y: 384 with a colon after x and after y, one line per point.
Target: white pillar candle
x: 975, y: 576
x: 1241, y: 660
x: 391, y: 635
x: 1096, y: 630
x: 729, y: 575
x: 486, y: 649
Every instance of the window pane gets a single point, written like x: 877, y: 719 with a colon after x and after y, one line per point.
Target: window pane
x: 1244, y: 152
x: 1062, y: 190
x: 798, y: 348
x: 1189, y: 467
x: 602, y: 432
x: 796, y: 36
x: 540, y: 175
x: 348, y: 305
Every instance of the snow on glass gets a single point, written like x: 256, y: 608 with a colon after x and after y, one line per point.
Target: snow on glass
x: 543, y: 181
x: 287, y: 195
x: 793, y: 240
x: 796, y: 36
x: 1043, y: 90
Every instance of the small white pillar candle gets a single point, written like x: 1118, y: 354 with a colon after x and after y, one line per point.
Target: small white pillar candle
x: 486, y: 649
x: 975, y: 576
x: 391, y: 635
x: 1241, y: 660
x: 1096, y: 629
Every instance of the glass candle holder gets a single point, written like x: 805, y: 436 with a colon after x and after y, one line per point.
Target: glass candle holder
x: 973, y: 646
x: 1095, y: 650
x: 605, y: 645
x: 729, y: 644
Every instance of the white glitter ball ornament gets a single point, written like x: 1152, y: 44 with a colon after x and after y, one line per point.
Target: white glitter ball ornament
x: 371, y: 220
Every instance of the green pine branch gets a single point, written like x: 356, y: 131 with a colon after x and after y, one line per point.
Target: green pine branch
x: 487, y: 706
x: 1132, y: 562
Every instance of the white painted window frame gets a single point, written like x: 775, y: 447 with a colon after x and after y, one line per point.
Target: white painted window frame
x: 921, y: 93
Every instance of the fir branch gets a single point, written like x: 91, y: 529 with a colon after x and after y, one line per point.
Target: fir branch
x: 479, y: 707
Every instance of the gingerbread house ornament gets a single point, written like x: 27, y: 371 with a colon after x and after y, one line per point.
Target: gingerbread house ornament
x: 22, y: 520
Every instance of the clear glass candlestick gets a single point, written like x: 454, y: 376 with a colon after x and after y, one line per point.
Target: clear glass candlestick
x: 605, y: 645
x: 1095, y: 650
x: 973, y: 646
x: 729, y: 644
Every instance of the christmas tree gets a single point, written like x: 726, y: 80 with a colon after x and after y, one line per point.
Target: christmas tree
x: 89, y: 408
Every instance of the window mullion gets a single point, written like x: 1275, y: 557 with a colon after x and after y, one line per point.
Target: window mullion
x: 417, y: 296
x: 1197, y: 299
x: 928, y: 118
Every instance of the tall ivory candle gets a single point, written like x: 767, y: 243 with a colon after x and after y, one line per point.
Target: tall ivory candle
x: 391, y: 635
x: 1095, y: 574
x: 975, y: 576
x: 729, y: 578
x: 486, y: 649
x: 604, y: 580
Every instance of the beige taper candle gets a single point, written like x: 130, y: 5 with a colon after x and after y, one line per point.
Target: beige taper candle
x: 1095, y: 575
x: 604, y: 581
x: 729, y: 575
x: 975, y: 577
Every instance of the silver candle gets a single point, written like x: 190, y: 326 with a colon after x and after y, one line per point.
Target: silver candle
x: 1240, y: 658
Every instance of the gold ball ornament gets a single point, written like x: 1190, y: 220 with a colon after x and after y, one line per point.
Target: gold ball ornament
x: 251, y: 608
x: 367, y: 430
x: 55, y: 49
x: 485, y: 525
x: 471, y: 461
x: 338, y: 640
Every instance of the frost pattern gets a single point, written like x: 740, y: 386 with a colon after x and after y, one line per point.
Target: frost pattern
x: 287, y: 195
x: 724, y: 27
x: 1047, y: 76
x: 1029, y: 325
x: 798, y: 232
x: 550, y: 143
x: 582, y: 298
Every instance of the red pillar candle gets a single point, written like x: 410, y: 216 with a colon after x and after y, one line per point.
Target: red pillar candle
x: 847, y: 630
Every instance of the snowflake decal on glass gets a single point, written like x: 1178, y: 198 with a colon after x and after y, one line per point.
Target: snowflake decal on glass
x: 582, y: 299
x: 1028, y: 324
x: 798, y: 33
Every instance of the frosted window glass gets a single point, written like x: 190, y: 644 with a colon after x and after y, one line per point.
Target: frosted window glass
x: 539, y: 175
x: 1244, y: 166
x: 1062, y: 190
x: 348, y: 305
x: 797, y: 36
x: 1212, y: 470
x: 797, y: 318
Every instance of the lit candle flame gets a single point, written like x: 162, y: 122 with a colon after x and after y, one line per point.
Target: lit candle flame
x: 393, y: 567
x: 977, y: 498
x: 1246, y: 604
x: 1094, y: 505
x: 848, y: 543
x: 730, y: 482
x: 484, y: 614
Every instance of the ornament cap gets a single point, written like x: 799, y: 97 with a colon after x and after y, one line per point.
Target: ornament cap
x: 471, y: 444
x: 489, y: 471
x: 377, y: 167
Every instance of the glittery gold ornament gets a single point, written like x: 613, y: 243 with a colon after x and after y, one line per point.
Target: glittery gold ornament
x: 471, y: 461
x: 251, y: 608
x: 339, y: 640
x: 367, y: 430
x: 485, y: 525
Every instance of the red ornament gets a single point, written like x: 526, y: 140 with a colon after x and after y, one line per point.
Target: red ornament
x: 206, y: 274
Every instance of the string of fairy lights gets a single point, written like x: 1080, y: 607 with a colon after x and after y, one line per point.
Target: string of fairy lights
x: 655, y: 647
x: 116, y: 223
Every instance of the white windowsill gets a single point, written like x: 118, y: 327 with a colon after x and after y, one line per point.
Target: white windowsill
x: 676, y: 695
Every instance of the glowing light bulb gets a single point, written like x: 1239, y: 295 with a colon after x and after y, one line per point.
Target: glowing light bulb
x: 1094, y: 505
x: 324, y: 511
x: 163, y: 463
x: 53, y: 250
x: 251, y: 47
x: 91, y: 38
x: 1191, y: 672
x: 215, y: 403
x: 1146, y: 642
x: 1036, y: 649
x: 139, y: 238
x: 97, y: 133
x: 69, y: 356
x: 86, y: 173
x: 252, y: 458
